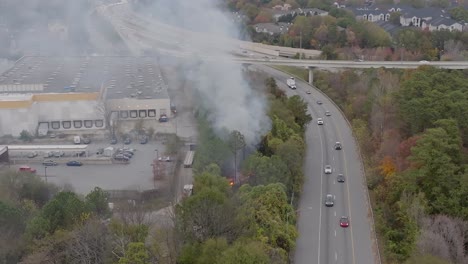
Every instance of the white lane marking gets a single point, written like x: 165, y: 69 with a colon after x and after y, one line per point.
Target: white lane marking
x: 336, y: 256
x: 335, y: 213
x: 321, y: 197
x: 335, y: 232
x: 349, y: 199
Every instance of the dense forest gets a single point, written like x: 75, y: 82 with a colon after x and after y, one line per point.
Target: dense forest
x: 413, y: 132
x: 251, y: 222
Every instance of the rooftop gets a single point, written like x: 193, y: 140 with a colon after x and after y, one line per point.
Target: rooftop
x: 123, y: 76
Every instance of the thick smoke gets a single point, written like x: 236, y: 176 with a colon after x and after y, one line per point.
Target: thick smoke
x: 232, y: 103
x: 52, y: 28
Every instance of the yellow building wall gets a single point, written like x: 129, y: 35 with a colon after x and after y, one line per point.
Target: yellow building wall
x: 49, y: 98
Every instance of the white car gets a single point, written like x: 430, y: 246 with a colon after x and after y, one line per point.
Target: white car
x: 319, y: 121
x: 328, y: 169
x: 327, y: 113
x: 424, y: 62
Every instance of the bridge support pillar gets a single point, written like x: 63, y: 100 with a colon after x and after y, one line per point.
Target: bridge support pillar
x: 311, y: 75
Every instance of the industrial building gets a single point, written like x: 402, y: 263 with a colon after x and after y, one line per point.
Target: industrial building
x: 4, y: 157
x: 77, y: 94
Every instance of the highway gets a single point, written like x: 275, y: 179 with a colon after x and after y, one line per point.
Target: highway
x: 321, y: 239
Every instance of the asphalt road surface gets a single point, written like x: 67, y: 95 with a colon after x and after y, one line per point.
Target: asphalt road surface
x: 321, y: 239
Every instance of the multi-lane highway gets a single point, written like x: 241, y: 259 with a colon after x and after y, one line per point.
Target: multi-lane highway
x: 321, y: 239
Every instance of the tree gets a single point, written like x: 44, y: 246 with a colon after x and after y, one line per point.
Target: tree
x: 135, y: 254
x: 206, y: 214
x: 247, y: 252
x: 395, y: 18
x: 88, y: 243
x: 264, y: 170
x: 436, y: 172
x: 236, y: 142
x: 268, y: 216
x: 26, y: 136
x: 97, y: 202
x: 298, y: 107
x: 64, y: 211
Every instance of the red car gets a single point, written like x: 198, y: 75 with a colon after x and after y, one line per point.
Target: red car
x: 344, y: 221
x: 27, y: 169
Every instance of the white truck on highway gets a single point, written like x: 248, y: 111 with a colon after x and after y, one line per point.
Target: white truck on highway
x: 291, y: 83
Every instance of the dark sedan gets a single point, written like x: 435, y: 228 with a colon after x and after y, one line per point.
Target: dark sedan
x: 340, y: 178
x: 74, y: 163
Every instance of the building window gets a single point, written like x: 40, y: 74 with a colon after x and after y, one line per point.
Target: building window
x: 77, y: 123
x: 123, y: 114
x: 55, y: 125
x: 88, y: 123
x: 99, y: 123
x: 66, y: 124
x: 152, y: 113
x: 133, y: 114
x: 381, y: 17
x: 142, y: 113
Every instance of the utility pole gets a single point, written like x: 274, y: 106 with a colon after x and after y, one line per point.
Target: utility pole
x: 45, y: 173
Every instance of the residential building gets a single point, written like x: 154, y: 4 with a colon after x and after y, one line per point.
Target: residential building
x: 442, y: 23
x: 272, y: 28
x: 278, y: 14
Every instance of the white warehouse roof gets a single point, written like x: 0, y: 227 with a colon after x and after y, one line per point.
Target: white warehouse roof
x: 46, y: 147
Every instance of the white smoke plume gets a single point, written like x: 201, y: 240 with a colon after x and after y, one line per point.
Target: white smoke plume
x: 233, y: 104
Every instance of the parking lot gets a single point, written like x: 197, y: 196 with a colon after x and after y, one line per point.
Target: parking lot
x: 136, y: 175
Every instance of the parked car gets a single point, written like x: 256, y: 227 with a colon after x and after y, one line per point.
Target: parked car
x: 100, y: 151
x: 127, y: 141
x: 74, y: 163
x: 27, y: 169
x: 163, y: 118
x: 49, y: 163
x: 144, y: 140
x: 121, y: 157
x: 113, y: 141
x: 344, y: 221
x: 86, y: 140
x: 32, y: 155
x: 328, y: 169
x: 58, y: 154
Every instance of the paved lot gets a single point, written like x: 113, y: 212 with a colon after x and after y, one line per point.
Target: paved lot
x: 137, y: 175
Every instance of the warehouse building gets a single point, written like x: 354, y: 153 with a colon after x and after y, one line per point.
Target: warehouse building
x: 4, y: 156
x: 77, y: 94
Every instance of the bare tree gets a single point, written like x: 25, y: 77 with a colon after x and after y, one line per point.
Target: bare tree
x: 88, y: 243
x: 444, y: 237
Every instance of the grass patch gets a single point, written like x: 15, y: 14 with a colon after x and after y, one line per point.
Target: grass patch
x: 297, y: 72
